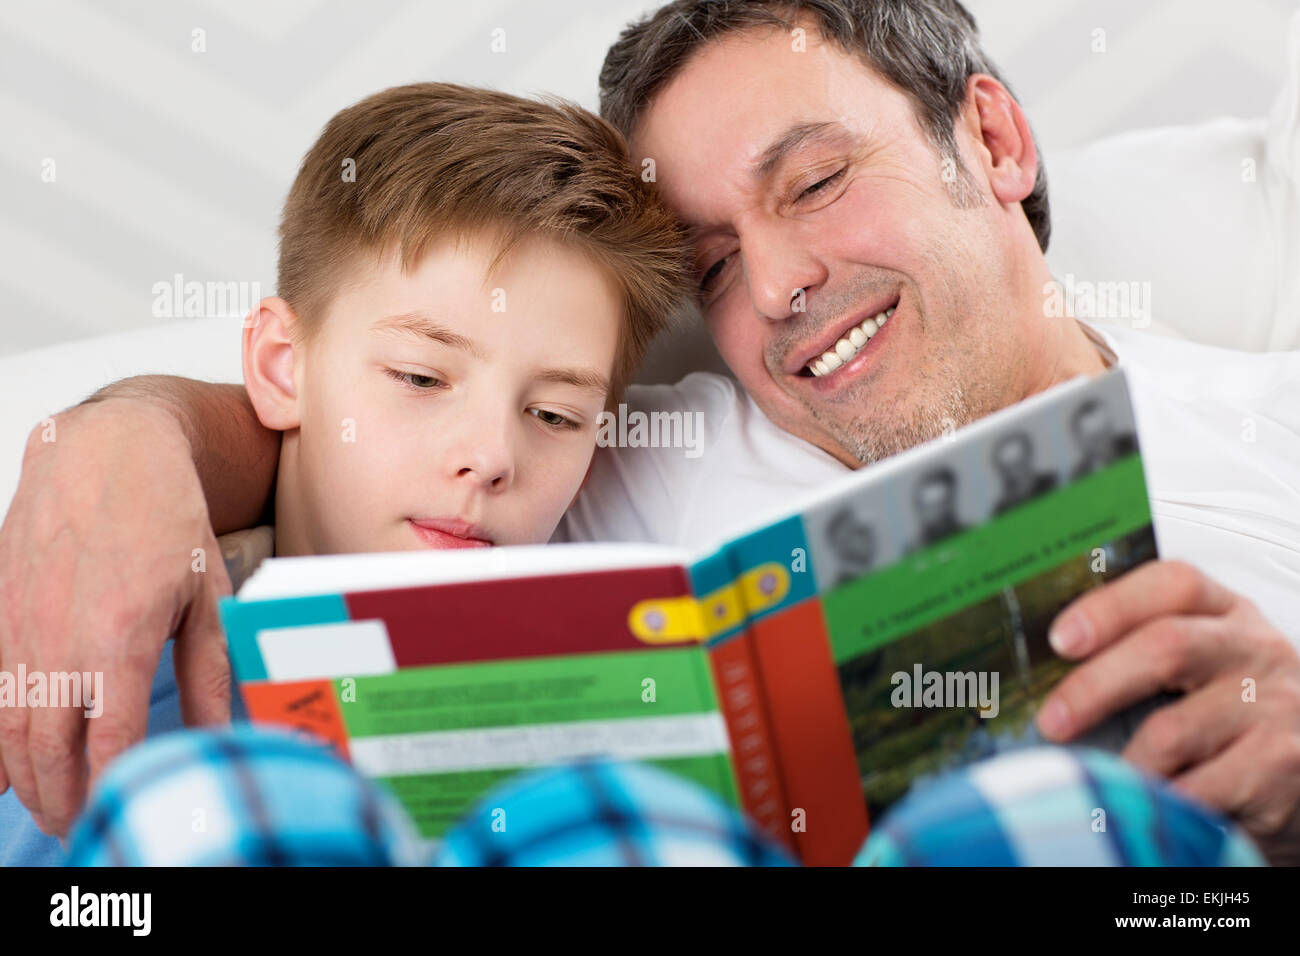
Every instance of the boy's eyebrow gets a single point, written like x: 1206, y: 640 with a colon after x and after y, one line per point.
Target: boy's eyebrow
x: 789, y: 141
x: 577, y: 377
x: 421, y: 324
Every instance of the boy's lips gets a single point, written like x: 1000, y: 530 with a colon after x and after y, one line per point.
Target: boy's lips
x: 450, y: 533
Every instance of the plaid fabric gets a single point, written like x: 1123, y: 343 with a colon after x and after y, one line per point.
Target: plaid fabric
x: 239, y: 797
x: 605, y: 814
x: 1050, y: 806
x: 251, y: 796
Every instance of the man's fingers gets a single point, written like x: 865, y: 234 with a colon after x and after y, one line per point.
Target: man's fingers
x: 56, y: 744
x: 1153, y: 590
x: 200, y: 659
x: 4, y: 777
x: 17, y: 762
x: 14, y: 625
x: 1252, y: 780
x: 124, y: 711
x: 1171, y: 653
x: 1191, y: 730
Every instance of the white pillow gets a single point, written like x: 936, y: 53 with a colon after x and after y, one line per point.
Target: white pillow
x: 1167, y: 213
x: 1208, y: 214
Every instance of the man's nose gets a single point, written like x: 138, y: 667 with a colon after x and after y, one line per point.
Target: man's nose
x: 780, y: 268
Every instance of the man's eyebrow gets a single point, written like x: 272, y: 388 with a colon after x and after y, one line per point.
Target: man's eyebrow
x: 577, y: 377
x: 789, y: 141
x: 422, y: 325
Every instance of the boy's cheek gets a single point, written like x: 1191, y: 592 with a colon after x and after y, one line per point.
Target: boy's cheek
x: 356, y: 471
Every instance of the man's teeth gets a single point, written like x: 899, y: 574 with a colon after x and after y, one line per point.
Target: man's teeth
x: 849, y: 346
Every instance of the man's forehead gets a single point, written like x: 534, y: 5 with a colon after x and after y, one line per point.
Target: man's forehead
x: 744, y: 101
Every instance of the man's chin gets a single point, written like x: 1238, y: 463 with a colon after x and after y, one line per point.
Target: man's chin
x: 871, y: 438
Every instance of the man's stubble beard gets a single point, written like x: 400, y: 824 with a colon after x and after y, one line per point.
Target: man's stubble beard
x: 948, y: 404
x: 953, y: 388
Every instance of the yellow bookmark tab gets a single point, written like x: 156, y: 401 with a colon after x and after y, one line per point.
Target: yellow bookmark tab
x: 682, y: 619
x: 679, y: 620
x: 764, y: 586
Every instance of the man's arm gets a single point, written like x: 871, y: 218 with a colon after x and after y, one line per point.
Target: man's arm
x: 234, y: 454
x: 107, y: 550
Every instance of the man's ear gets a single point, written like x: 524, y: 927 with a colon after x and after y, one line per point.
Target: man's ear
x: 269, y: 364
x: 998, y: 124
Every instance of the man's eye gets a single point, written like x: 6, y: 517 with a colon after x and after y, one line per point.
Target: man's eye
x: 821, y: 184
x: 714, y: 271
x: 420, y: 383
x: 553, y: 419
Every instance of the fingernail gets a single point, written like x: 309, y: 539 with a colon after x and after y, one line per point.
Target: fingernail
x: 1068, y: 635
x: 1054, y: 718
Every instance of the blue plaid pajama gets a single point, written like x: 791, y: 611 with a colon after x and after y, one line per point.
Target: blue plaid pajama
x: 250, y: 796
x: 605, y: 814
x: 1053, y: 806
x: 239, y: 797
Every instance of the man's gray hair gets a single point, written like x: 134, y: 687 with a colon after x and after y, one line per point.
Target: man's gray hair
x: 928, y: 49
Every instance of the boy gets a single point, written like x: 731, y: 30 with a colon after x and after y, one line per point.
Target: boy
x: 466, y: 280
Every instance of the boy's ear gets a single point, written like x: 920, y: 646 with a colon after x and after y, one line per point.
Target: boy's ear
x: 269, y: 364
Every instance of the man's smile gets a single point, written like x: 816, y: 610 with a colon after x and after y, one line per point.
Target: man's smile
x: 838, y: 344
x: 841, y: 352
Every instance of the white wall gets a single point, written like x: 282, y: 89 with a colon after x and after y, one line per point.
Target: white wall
x: 167, y: 160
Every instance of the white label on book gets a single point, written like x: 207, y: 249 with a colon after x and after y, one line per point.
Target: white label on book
x: 313, y: 651
x: 534, y: 745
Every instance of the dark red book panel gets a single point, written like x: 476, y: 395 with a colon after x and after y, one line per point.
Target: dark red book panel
x: 521, y: 617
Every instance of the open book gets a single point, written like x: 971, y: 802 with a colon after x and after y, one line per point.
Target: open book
x: 874, y: 634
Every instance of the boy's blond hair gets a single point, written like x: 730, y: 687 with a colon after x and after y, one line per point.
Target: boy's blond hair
x: 410, y: 166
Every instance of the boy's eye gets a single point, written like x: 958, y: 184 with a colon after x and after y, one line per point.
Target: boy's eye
x: 553, y: 419
x: 412, y: 380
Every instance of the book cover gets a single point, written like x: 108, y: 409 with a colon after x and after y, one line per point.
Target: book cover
x: 811, y: 671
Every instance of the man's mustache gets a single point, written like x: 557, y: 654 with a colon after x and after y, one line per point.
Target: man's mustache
x: 802, y: 327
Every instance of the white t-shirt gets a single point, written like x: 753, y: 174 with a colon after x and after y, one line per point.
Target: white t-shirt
x: 1219, y: 431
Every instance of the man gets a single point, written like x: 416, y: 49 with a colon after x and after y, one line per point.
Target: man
x: 837, y: 163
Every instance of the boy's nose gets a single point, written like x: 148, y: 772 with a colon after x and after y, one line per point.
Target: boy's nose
x: 487, y: 466
x: 491, y: 481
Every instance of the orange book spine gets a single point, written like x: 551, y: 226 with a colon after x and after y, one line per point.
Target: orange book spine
x: 754, y: 760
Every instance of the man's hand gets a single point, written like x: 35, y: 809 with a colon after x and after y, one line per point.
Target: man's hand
x: 97, y: 570
x: 1233, y: 740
